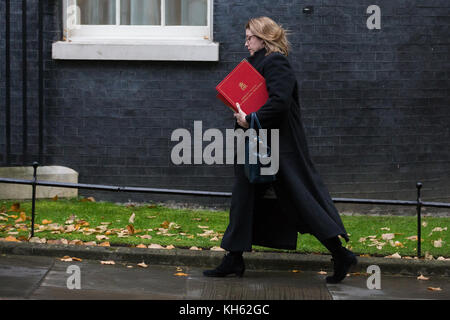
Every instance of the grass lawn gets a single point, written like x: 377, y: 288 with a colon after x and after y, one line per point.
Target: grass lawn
x: 109, y: 224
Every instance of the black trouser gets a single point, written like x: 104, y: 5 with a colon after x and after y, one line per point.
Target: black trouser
x: 238, y: 236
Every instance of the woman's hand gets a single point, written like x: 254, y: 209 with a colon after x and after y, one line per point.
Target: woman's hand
x: 240, y: 117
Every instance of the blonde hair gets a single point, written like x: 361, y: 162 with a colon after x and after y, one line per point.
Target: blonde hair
x: 273, y: 34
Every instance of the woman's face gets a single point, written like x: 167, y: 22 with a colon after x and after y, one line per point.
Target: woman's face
x: 252, y: 42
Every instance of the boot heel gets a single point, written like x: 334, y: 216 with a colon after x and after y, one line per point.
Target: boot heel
x: 240, y: 273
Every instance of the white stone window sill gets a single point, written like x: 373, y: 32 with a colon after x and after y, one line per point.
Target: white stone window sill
x: 136, y: 49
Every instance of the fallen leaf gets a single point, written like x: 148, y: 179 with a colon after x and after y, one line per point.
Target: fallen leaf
x: 131, y: 220
x: 55, y: 198
x: 441, y: 258
x: 141, y: 246
x: 398, y: 244
x: 76, y: 259
x: 155, y: 246
x: 76, y: 241
x: 322, y: 272
x: 394, y: 256
x: 82, y: 223
x: 173, y: 225
x: 70, y: 228
x: 37, y: 240
x: 422, y: 277
x: 66, y: 259
x: 203, y: 227
x: 101, y: 237
x: 296, y: 271
x: 194, y: 248
x: 388, y: 236
x: 181, y: 274
x: 165, y: 224
x: 413, y: 238
x: 428, y: 256
x: 437, y: 243
x: 170, y: 247
x: 130, y: 229
x: 434, y: 289
x: 11, y: 239
x: 22, y: 218
x: 439, y: 229
x: 15, y: 207
x: 45, y: 221
x: 90, y: 243
x: 107, y: 262
x: 359, y: 274
x: 142, y: 265
x: 424, y: 224
x: 104, y: 244
x: 386, y: 229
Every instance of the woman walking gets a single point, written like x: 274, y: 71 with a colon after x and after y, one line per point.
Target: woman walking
x: 302, y: 203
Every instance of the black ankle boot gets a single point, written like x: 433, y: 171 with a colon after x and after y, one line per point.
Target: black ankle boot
x: 231, y: 263
x: 343, y: 262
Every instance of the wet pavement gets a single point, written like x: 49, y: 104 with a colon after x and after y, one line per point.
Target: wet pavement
x: 47, y: 278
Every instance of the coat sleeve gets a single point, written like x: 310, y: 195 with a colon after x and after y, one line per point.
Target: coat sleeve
x: 280, y: 82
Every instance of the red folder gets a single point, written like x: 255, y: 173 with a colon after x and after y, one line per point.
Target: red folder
x: 244, y: 85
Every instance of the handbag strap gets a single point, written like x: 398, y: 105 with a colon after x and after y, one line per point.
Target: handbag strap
x: 254, y: 118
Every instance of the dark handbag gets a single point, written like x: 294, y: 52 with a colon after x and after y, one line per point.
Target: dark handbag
x: 253, y: 146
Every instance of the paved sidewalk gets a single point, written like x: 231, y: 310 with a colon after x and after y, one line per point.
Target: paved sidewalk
x: 37, y: 277
x: 42, y: 277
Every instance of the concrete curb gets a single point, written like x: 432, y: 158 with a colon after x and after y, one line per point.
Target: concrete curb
x: 207, y: 258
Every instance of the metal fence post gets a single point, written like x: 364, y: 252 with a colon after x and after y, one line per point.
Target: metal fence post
x: 419, y: 218
x: 33, y: 203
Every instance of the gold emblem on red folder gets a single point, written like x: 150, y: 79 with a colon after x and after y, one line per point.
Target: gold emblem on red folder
x: 243, y: 86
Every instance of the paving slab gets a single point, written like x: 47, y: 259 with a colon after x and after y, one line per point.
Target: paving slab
x: 129, y: 281
x: 392, y: 287
x: 21, y: 275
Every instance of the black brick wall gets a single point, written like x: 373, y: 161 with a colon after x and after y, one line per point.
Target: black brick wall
x: 375, y: 103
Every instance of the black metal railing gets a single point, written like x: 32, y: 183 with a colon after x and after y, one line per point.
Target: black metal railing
x: 418, y: 203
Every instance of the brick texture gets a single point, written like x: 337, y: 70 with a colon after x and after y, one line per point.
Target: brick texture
x: 375, y: 103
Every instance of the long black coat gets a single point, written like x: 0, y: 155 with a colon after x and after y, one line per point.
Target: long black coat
x: 302, y: 203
